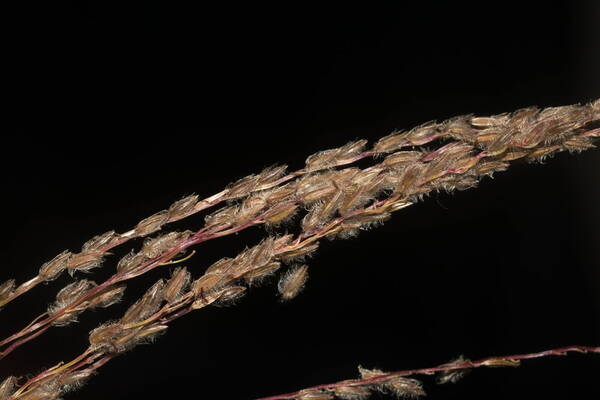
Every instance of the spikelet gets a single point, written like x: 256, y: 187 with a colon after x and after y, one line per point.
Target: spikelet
x: 502, y: 362
x: 230, y: 294
x: 257, y: 275
x: 104, y: 335
x: 280, y: 213
x: 312, y: 394
x: 182, y: 208
x: 151, y: 333
x: 179, y: 281
x: 405, y: 387
x: 269, y: 176
x: 329, y: 158
x: 48, y: 391
x: 112, y: 295
x: 220, y: 266
x: 130, y: 261
x: 7, y: 387
x: 146, y: 306
x: 352, y: 392
x: 85, y: 261
x: 66, y: 296
x: 292, y: 282
x: 97, y: 242
x: 266, y: 178
x: 224, y: 216
x: 6, y: 289
x: 299, y: 253
x: 50, y: 270
x: 151, y: 224
x: 315, y: 187
x: 153, y: 247
x: 74, y: 380
x: 454, y: 375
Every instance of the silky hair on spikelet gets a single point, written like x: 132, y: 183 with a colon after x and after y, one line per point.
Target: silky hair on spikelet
x: 292, y: 282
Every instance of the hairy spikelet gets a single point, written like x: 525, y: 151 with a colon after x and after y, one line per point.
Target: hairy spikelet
x: 7, y: 387
x: 153, y: 247
x: 97, y: 242
x: 181, y: 208
x: 65, y: 297
x: 108, y: 297
x: 352, y: 392
x: 179, y: 281
x: 315, y: 395
x: 72, y: 381
x: 453, y: 375
x: 292, y: 282
x: 130, y: 261
x: 152, y: 224
x: 50, y: 270
x: 6, y: 289
x: 147, y: 305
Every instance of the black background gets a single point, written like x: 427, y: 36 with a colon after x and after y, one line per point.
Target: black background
x: 114, y: 111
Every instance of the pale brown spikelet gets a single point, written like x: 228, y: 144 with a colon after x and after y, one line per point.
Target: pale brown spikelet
x: 242, y: 187
x: 394, y: 141
x: 352, y: 392
x: 147, y: 305
x: 155, y: 246
x: 74, y: 380
x: 314, y: 394
x: 150, y: 333
x: 298, y: 253
x: 66, y: 296
x: 6, y: 289
x: 401, y: 159
x: 7, y: 387
x: 48, y: 391
x: 292, y: 282
x: 179, y: 281
x: 50, y: 270
x: 280, y: 213
x: 103, y: 335
x: 405, y: 387
x: 85, y: 261
x: 422, y: 134
x: 220, y: 266
x: 269, y: 176
x: 328, y: 158
x: 112, y: 295
x: 366, y: 373
x: 279, y: 194
x: 181, y: 208
x: 224, y: 216
x: 453, y: 375
x: 152, y: 224
x: 230, y: 295
x: 250, y: 208
x: 99, y: 241
x: 403, y: 181
x: 315, y: 187
x: 130, y: 261
x: 313, y: 218
x: 502, y: 362
x: 206, y: 286
x: 256, y: 275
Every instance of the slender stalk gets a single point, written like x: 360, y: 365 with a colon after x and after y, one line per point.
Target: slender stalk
x: 497, y: 361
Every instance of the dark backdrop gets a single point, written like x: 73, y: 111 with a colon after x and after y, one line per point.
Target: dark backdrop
x: 114, y: 111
